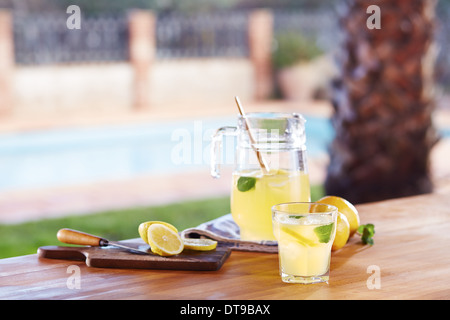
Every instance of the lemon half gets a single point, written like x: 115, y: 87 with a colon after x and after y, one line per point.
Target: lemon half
x: 163, y: 240
x: 143, y: 228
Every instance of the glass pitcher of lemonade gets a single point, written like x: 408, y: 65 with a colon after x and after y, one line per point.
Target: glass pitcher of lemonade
x: 270, y: 168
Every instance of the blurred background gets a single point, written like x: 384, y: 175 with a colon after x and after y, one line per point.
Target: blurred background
x: 96, y: 119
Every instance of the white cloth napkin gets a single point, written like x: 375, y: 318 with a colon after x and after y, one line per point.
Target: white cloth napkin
x: 226, y: 232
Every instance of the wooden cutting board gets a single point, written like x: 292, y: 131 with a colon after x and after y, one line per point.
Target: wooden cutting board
x: 111, y: 257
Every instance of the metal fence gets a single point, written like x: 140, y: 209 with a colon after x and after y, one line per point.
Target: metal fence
x: 202, y: 35
x: 45, y: 39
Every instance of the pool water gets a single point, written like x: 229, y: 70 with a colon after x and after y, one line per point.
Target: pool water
x: 63, y: 157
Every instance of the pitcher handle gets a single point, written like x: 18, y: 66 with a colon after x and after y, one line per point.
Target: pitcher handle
x: 216, y: 148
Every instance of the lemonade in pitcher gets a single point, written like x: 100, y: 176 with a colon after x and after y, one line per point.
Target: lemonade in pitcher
x: 270, y: 168
x: 254, y: 193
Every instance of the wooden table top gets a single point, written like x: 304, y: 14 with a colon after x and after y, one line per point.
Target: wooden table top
x: 409, y: 260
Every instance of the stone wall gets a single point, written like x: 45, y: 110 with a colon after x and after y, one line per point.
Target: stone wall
x: 109, y: 87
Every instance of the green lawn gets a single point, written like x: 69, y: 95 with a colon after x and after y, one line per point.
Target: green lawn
x: 26, y: 238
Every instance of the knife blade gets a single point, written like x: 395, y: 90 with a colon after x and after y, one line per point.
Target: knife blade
x: 71, y: 236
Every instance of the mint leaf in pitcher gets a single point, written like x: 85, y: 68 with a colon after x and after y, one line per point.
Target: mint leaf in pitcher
x: 246, y: 183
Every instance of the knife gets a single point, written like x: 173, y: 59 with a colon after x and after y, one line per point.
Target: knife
x: 71, y: 236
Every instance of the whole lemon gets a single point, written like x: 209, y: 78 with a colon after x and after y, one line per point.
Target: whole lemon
x: 346, y: 208
x: 342, y: 232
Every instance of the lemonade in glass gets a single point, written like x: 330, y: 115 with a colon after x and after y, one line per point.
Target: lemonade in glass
x: 305, y: 234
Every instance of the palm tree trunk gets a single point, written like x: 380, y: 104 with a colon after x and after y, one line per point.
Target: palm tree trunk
x: 383, y: 103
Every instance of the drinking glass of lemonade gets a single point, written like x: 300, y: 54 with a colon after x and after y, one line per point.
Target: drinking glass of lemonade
x: 305, y: 233
x: 276, y: 140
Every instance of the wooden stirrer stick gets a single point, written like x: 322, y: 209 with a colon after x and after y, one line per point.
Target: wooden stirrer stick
x: 261, y: 160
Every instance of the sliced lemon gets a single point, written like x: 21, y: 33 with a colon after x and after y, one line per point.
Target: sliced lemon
x: 163, y: 240
x: 143, y: 228
x: 299, y: 238
x: 200, y: 244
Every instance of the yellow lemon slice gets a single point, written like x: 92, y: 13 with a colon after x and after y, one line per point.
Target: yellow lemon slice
x: 143, y: 228
x: 200, y: 244
x: 163, y: 240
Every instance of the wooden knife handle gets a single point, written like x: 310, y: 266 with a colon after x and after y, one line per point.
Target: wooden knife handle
x: 77, y: 237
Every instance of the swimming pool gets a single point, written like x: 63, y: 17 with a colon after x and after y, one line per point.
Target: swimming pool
x: 72, y: 156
